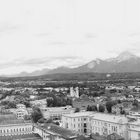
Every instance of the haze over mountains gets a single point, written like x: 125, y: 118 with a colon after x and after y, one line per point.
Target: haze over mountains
x: 125, y: 62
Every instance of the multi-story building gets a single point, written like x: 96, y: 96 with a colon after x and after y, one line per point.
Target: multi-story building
x: 106, y: 124
x: 10, y: 126
x: 56, y: 112
x: 21, y: 111
x: 134, y: 130
x: 89, y: 122
x: 135, y: 111
x: 79, y: 122
x: 74, y: 92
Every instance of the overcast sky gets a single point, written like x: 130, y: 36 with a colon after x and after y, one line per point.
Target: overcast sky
x: 36, y: 34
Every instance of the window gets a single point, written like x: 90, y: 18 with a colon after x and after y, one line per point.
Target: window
x: 112, y: 128
x: 85, y: 125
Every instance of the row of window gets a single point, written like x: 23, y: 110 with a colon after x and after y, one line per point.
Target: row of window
x: 15, y: 130
x: 104, y: 124
x: 103, y: 130
x: 79, y: 119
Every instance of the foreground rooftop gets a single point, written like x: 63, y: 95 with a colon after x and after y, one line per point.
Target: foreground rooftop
x: 54, y: 129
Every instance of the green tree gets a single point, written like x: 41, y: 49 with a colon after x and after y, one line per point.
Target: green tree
x: 109, y: 105
x: 36, y: 115
x: 93, y: 108
x: 136, y: 103
x: 42, y: 120
x: 77, y: 110
x: 89, y: 108
x: 101, y: 108
x: 57, y: 123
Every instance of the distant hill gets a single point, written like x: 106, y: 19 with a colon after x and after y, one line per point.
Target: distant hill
x: 126, y: 62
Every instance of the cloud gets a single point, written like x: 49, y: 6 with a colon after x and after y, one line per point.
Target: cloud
x: 42, y: 34
x: 47, y: 62
x: 134, y: 34
x: 5, y: 27
x: 57, y: 43
x: 90, y: 36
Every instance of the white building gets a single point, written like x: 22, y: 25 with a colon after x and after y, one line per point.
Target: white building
x: 39, y: 103
x: 10, y: 126
x: 21, y: 106
x: 135, y: 112
x: 79, y: 122
x: 14, y: 129
x: 74, y: 92
x: 89, y: 122
x: 106, y: 124
x: 134, y: 130
x: 56, y: 112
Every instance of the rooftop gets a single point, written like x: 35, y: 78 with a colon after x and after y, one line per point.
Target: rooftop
x: 56, y: 108
x: 100, y: 116
x: 11, y: 119
x: 115, y: 136
x: 79, y: 114
x: 65, y: 133
x: 110, y: 118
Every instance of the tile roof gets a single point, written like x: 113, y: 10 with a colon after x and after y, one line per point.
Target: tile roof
x: 65, y: 133
x: 11, y: 119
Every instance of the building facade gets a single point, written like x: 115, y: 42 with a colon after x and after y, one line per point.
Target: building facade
x: 74, y: 92
x: 56, y: 112
x: 103, y: 124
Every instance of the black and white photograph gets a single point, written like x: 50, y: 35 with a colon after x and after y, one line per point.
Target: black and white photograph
x: 69, y: 69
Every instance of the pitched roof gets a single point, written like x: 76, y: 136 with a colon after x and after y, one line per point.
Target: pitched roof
x: 11, y: 119
x: 115, y: 136
x: 65, y: 133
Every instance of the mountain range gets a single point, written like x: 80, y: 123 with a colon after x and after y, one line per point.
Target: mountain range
x: 125, y: 62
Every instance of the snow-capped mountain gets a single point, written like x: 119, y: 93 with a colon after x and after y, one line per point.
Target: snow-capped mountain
x: 124, y: 56
x: 125, y: 62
